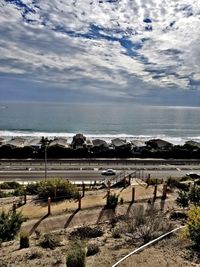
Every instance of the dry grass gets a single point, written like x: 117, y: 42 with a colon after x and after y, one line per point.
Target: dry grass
x: 169, y: 252
x: 91, y: 200
x: 165, y: 253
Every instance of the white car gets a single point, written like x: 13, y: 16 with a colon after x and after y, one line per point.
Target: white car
x: 108, y: 172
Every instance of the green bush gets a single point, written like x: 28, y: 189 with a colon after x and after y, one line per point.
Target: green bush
x: 85, y: 232
x: 194, y: 195
x: 76, y: 256
x: 121, y: 201
x: 193, y: 225
x: 5, y: 194
x: 153, y: 181
x: 10, y: 224
x: 57, y: 189
x: 182, y: 199
x: 18, y: 192
x: 185, y: 178
x: 116, y: 233
x: 177, y: 215
x: 49, y: 241
x: 198, y: 182
x: 92, y: 249
x: 112, y: 201
x: 10, y: 185
x: 32, y: 188
x: 34, y: 255
x: 174, y: 183
x: 24, y: 240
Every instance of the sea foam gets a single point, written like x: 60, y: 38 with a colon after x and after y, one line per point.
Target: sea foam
x: 107, y: 137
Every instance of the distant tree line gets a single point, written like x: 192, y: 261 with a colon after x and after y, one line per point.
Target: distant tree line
x: 126, y: 151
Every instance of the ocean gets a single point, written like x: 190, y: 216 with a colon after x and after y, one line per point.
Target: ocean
x: 106, y: 121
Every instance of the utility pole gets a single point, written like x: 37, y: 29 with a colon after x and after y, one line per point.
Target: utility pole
x: 45, y: 144
x: 45, y: 161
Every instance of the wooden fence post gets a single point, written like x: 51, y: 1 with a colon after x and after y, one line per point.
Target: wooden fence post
x: 162, y: 204
x: 49, y: 205
x: 79, y: 202
x: 124, y: 182
x: 25, y: 196
x: 133, y: 195
x: 83, y: 189
x: 108, y: 189
x: 129, y: 179
x: 55, y: 192
x: 164, y: 191
x: 14, y: 207
x: 155, y: 192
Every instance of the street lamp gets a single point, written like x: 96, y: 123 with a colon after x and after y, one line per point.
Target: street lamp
x: 45, y: 162
x: 46, y: 143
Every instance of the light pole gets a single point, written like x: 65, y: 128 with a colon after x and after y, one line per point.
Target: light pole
x: 46, y: 143
x: 45, y: 162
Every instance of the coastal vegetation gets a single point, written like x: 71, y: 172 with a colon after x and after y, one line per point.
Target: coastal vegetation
x: 76, y: 256
x: 193, y: 225
x: 118, y: 148
x: 112, y: 201
x: 10, y: 224
x: 24, y: 240
x: 50, y: 241
x: 86, y: 232
x: 9, y: 189
x: 186, y: 198
x: 102, y: 234
x: 56, y: 189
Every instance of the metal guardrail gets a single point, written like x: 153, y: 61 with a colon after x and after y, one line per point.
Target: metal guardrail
x: 123, y: 176
x: 109, y: 161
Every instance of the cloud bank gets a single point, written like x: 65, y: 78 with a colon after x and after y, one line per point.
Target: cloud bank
x: 111, y: 48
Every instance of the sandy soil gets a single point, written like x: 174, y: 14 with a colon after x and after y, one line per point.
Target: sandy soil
x: 65, y: 217
x: 166, y: 253
x: 38, y: 209
x: 171, y: 252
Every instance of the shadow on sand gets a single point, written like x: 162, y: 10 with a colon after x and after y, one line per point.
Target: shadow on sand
x: 129, y: 208
x: 71, y: 218
x: 37, y: 224
x: 105, y: 214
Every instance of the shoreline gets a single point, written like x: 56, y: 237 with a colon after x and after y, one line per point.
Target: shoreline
x: 30, y: 135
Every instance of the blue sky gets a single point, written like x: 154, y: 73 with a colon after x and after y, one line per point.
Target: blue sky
x: 135, y: 51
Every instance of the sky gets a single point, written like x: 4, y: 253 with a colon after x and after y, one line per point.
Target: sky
x: 138, y: 51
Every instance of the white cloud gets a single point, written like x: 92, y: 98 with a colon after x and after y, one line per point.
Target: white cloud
x: 52, y: 41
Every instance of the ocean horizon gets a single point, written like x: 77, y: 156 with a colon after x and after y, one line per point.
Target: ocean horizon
x: 105, y: 121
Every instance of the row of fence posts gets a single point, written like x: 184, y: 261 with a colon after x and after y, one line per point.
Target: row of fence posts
x: 164, y: 195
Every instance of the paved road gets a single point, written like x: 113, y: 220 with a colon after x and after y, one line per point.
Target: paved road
x: 33, y: 170
x: 26, y: 175
x: 37, y: 175
x: 97, y: 163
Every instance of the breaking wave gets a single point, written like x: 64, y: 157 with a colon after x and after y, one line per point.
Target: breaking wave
x: 107, y: 137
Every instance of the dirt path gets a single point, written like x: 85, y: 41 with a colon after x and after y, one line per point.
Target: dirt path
x: 89, y: 216
x: 92, y: 199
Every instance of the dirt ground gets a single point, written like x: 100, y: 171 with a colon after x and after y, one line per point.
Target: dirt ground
x: 65, y: 216
x: 166, y: 253
x: 92, y: 199
x: 171, y: 252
